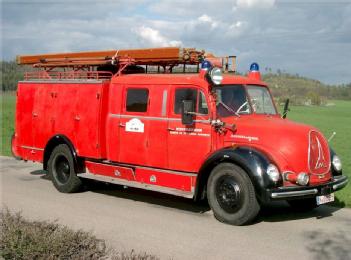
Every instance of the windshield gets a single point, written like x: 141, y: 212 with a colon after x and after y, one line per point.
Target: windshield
x: 261, y: 100
x: 233, y: 100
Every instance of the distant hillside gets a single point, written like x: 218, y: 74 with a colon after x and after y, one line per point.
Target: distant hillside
x: 299, y: 89
x: 10, y: 74
x: 303, y: 90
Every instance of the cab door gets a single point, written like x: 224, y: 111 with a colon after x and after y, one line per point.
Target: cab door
x: 134, y: 126
x: 188, y: 146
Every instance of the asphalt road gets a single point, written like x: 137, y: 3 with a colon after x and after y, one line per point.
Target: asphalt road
x: 175, y: 228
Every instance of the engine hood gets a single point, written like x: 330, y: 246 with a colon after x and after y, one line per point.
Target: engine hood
x: 292, y: 146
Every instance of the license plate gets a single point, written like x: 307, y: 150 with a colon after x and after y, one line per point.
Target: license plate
x: 325, y: 199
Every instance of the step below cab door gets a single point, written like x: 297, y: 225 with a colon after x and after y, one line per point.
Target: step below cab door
x: 188, y: 145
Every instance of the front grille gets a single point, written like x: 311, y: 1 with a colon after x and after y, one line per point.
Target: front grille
x: 318, y: 154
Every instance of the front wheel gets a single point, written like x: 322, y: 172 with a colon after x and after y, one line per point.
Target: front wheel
x: 61, y: 170
x: 231, y: 195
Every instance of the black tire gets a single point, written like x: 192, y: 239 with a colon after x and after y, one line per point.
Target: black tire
x: 61, y: 170
x: 231, y: 195
x: 303, y: 205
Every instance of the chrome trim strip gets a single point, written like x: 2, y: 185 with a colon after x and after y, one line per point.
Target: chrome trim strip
x: 155, y: 118
x: 289, y: 194
x: 340, y: 185
x: 145, y: 117
x: 139, y: 185
x: 32, y: 148
x: 164, y: 103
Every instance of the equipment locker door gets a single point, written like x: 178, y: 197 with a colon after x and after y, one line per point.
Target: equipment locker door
x: 43, y: 114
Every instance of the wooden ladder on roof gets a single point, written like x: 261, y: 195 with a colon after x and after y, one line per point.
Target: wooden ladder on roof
x: 158, y: 56
x: 165, y: 57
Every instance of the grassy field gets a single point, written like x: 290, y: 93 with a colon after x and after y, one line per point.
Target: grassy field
x: 329, y: 119
x: 7, y: 104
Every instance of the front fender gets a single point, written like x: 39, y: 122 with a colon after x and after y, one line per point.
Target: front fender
x: 252, y: 161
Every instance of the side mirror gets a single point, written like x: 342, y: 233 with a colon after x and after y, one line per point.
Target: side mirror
x: 286, y: 108
x: 187, y: 112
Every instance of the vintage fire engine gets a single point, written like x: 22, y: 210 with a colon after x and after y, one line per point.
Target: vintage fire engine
x: 137, y: 118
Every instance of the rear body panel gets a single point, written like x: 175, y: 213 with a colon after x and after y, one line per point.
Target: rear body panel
x: 73, y: 109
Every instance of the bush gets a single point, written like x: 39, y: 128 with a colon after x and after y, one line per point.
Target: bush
x: 23, y: 239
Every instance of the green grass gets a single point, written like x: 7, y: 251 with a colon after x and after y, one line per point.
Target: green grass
x: 328, y: 119
x: 7, y: 116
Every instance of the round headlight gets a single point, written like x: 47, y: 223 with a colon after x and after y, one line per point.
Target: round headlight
x: 337, y: 163
x: 216, y: 75
x: 302, y: 179
x: 273, y: 172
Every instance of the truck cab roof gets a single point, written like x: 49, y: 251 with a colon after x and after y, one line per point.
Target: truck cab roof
x: 190, y: 79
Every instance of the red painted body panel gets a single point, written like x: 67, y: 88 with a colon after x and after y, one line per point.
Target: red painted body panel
x: 284, y: 141
x: 74, y: 110
x: 114, y: 171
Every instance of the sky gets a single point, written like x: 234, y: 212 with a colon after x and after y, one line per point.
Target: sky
x: 311, y: 38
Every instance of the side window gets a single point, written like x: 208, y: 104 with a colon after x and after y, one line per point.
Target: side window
x: 137, y: 100
x: 184, y: 94
x: 202, y: 106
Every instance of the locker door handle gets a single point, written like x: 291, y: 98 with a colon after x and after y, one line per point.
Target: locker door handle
x: 35, y: 114
x: 171, y: 129
x: 77, y: 118
x: 121, y: 125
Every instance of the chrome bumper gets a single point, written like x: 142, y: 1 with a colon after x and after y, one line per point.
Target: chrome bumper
x: 337, y: 183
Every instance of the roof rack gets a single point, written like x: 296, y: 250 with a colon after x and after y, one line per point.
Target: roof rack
x: 140, y: 56
x: 120, y: 60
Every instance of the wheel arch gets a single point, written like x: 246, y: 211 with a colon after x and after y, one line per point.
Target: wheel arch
x: 54, y: 142
x: 252, y: 161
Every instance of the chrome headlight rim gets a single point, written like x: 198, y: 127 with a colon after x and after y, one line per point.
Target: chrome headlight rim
x: 302, y: 179
x: 336, y: 162
x: 273, y: 172
x: 216, y: 75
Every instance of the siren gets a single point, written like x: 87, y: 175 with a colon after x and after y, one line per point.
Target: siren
x: 206, y: 65
x: 255, y: 71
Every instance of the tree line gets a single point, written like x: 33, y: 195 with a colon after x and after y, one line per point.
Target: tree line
x: 300, y: 90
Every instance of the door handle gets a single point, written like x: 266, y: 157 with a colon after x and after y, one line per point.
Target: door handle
x: 35, y: 114
x: 121, y: 125
x: 171, y: 129
x: 77, y: 118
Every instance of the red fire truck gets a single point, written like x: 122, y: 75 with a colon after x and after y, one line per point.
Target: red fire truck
x: 137, y: 118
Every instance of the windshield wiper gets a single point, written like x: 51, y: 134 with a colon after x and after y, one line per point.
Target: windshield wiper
x: 229, y: 109
x: 239, y: 109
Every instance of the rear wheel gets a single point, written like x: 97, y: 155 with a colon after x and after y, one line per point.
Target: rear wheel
x: 303, y: 205
x: 61, y: 170
x: 231, y: 195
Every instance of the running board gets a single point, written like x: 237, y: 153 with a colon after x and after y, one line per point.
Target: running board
x: 139, y: 185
